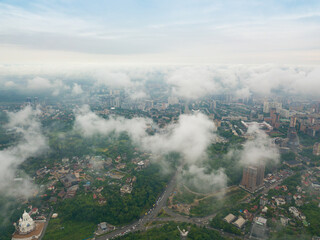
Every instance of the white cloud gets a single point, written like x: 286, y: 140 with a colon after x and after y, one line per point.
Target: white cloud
x: 113, y: 79
x: 10, y: 84
x: 243, y: 93
x: 134, y: 95
x: 43, y: 84
x: 90, y: 124
x: 243, y: 80
x: 190, y: 137
x: 77, y: 89
x: 189, y: 82
x: 39, y: 83
x: 192, y: 82
x: 203, y: 181
x: 260, y: 150
x: 32, y: 143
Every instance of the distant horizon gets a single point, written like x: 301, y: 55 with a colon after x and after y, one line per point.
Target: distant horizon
x: 160, y: 32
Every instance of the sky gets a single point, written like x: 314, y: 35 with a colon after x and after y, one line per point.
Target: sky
x: 160, y: 32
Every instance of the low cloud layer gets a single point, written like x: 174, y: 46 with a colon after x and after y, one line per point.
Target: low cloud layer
x: 77, y: 89
x: 260, y: 150
x: 31, y: 143
x: 89, y: 123
x: 187, y: 82
x: 44, y: 84
x: 203, y: 181
x: 192, y: 82
x: 190, y: 137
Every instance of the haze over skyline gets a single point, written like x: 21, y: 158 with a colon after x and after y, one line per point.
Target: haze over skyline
x: 160, y: 32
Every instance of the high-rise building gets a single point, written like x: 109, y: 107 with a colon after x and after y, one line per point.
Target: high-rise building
x: 316, y: 149
x: 252, y: 178
x: 293, y: 139
x: 227, y: 98
x: 28, y: 100
x: 117, y: 102
x: 268, y: 105
x: 274, y: 118
x: 36, y: 101
x: 213, y: 105
x: 173, y: 100
x: 293, y: 122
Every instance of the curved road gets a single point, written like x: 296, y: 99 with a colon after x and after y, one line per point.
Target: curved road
x: 152, y: 216
x: 140, y: 225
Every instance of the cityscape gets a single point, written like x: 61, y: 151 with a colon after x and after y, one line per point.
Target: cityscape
x: 172, y: 120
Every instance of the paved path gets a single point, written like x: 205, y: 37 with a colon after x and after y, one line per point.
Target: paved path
x: 46, y: 225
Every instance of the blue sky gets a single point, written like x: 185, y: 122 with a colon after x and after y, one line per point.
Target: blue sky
x: 189, y: 31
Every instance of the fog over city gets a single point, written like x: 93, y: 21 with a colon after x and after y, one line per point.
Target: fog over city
x: 188, y: 82
x: 31, y: 143
x: 159, y: 119
x: 192, y: 134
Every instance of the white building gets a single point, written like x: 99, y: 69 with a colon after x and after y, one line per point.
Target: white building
x: 268, y: 105
x: 240, y: 222
x: 27, y: 228
x: 261, y: 221
x: 26, y: 224
x: 229, y: 218
x: 296, y: 213
x: 280, y: 201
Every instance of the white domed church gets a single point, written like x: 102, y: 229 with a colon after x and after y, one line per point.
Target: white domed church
x: 26, y: 224
x: 27, y: 228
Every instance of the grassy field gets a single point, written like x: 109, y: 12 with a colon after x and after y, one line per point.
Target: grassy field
x: 213, y: 204
x: 58, y: 230
x: 163, y: 214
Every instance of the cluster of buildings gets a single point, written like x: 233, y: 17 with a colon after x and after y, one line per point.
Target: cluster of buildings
x: 310, y: 179
x: 164, y: 110
x: 88, y: 170
x: 304, y: 120
x: 293, y: 199
x: 70, y: 173
x: 308, y: 123
x: 97, y: 195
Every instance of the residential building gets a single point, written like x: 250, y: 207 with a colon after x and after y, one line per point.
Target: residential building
x: 252, y: 178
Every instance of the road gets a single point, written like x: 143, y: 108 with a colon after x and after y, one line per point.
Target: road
x: 46, y: 225
x: 151, y: 214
